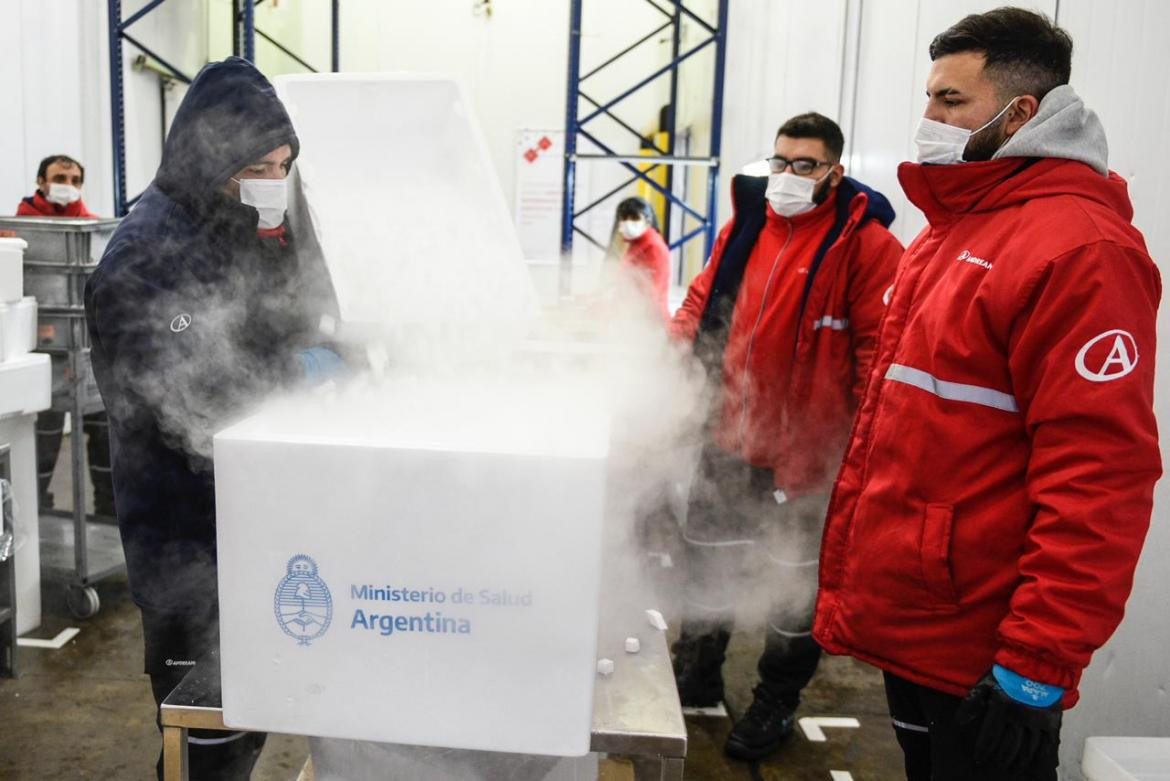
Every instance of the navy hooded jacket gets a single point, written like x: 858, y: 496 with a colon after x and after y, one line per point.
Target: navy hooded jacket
x: 194, y: 318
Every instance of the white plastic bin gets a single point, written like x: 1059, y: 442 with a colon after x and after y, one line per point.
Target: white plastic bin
x: 1126, y: 759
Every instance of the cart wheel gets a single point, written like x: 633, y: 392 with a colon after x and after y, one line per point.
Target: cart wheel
x: 83, y: 601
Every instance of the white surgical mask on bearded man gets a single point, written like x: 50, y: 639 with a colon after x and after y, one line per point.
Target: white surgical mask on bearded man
x: 267, y: 196
x: 632, y: 229
x: 790, y: 194
x: 63, y: 194
x: 943, y: 144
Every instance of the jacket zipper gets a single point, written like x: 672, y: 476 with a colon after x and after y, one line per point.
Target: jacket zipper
x: 746, y: 392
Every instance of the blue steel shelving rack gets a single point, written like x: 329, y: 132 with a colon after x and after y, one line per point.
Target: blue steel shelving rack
x: 575, y: 127
x: 244, y: 34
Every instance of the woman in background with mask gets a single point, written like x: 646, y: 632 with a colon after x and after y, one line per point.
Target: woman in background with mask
x: 646, y: 256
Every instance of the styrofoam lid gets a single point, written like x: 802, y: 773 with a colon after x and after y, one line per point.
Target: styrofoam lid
x: 1127, y: 759
x: 12, y: 242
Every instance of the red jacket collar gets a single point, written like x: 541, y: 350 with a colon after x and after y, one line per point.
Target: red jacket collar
x: 38, y: 205
x: 272, y: 233
x: 946, y: 192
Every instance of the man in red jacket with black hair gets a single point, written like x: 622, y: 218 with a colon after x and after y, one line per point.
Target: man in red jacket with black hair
x: 988, y: 518
x: 58, y: 194
x: 784, y: 318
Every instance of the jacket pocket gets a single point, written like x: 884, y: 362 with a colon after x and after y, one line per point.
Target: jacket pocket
x: 936, y: 552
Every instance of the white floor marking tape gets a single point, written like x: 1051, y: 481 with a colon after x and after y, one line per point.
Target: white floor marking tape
x: 58, y: 642
x: 813, y: 726
x: 841, y: 775
x: 715, y: 711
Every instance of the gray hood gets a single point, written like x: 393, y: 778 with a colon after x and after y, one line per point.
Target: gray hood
x: 1063, y: 128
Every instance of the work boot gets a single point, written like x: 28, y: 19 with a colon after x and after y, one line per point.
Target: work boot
x: 762, y: 729
x: 698, y: 668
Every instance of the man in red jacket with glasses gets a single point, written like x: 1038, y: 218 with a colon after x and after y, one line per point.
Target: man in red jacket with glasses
x: 784, y: 318
x: 985, y: 527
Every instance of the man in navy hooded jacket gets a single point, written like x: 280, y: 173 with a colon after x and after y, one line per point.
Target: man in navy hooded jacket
x: 199, y: 309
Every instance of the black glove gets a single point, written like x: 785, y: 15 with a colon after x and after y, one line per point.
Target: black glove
x: 1005, y: 734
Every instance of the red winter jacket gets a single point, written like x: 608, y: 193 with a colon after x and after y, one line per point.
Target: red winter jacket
x: 36, y: 205
x: 998, y: 486
x: 649, y: 257
x: 798, y: 427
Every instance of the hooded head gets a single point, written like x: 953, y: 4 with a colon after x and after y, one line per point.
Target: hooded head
x: 229, y: 118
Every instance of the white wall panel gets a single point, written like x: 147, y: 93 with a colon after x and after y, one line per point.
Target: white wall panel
x: 1120, y: 64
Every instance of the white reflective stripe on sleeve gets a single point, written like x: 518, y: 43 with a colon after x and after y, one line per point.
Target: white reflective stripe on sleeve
x: 952, y: 391
x: 828, y: 321
x: 215, y: 741
x: 717, y: 544
x: 909, y: 727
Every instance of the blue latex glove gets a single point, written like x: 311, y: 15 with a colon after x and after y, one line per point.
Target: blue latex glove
x: 320, y: 364
x: 1029, y: 692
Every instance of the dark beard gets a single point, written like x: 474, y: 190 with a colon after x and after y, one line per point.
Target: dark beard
x: 984, y: 144
x: 821, y: 194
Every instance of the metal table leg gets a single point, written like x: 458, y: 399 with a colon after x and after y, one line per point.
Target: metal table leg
x: 175, y: 754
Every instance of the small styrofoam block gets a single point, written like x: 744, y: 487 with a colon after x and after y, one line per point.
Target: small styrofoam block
x: 25, y: 384
x: 605, y: 666
x: 12, y: 269
x: 633, y: 645
x: 1126, y: 759
x: 656, y: 620
x: 18, y: 328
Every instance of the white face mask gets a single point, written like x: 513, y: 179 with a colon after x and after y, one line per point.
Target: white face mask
x: 790, y: 194
x: 267, y: 196
x: 944, y: 144
x: 632, y: 229
x: 63, y: 194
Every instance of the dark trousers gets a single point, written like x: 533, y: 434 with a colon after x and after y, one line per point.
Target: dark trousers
x: 50, y: 427
x: 934, y: 747
x: 744, y: 548
x: 175, y: 644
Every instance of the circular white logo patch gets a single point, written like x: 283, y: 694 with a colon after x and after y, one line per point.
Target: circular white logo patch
x: 181, y: 322
x: 1108, y: 356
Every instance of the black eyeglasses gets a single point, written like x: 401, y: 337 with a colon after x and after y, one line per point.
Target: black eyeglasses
x: 801, y: 166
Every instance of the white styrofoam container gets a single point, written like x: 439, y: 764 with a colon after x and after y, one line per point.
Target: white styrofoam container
x: 24, y: 385
x: 1126, y: 759
x: 483, y: 498
x: 12, y: 269
x: 18, y: 328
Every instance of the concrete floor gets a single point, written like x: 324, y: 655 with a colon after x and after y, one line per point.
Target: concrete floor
x: 85, y: 711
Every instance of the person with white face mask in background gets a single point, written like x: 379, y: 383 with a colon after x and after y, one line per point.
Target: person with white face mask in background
x: 996, y: 493
x: 59, y: 182
x: 646, y: 257
x: 201, y: 307
x: 58, y: 195
x: 784, y: 318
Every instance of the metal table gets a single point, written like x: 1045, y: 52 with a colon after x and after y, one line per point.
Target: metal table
x: 636, y: 711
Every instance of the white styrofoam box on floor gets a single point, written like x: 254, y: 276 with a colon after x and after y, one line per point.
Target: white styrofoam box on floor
x: 1126, y: 759
x: 415, y: 563
x: 12, y: 269
x: 18, y: 328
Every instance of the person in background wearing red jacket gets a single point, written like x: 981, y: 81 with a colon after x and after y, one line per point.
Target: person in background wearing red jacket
x: 985, y: 527
x: 647, y: 257
x: 58, y: 194
x: 784, y: 318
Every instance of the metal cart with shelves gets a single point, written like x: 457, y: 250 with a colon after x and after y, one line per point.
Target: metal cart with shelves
x: 76, y: 547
